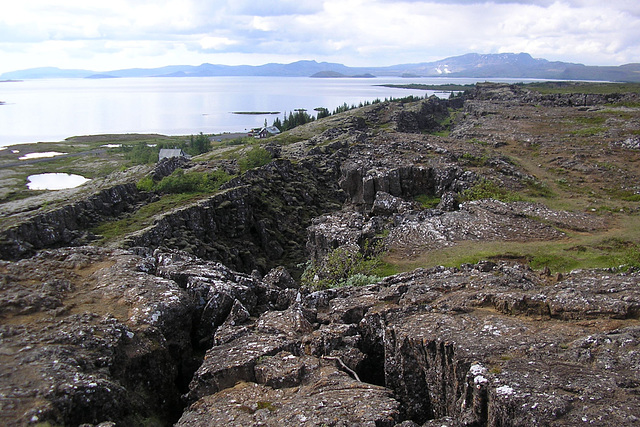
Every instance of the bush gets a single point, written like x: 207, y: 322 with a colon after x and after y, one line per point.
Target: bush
x: 141, y: 153
x: 254, y: 158
x: 186, y: 182
x: 344, y: 266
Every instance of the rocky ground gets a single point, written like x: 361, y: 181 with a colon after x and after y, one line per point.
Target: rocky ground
x: 202, y: 317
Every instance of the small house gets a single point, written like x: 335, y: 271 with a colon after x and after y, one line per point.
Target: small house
x: 266, y: 132
x: 167, y: 153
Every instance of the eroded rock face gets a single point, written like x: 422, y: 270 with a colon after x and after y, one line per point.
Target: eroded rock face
x: 249, y: 225
x: 68, y: 225
x: 91, y: 335
x: 483, y: 345
x: 87, y: 337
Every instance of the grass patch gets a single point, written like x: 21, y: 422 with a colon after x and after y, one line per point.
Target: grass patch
x: 287, y: 138
x: 486, y: 189
x: 577, y: 251
x: 143, y: 217
x: 582, y: 87
x: 590, y: 120
x: 186, y: 182
x: 535, y: 188
x: 625, y: 195
x: 427, y: 201
x: 473, y: 160
x: 254, y: 158
x: 590, y: 131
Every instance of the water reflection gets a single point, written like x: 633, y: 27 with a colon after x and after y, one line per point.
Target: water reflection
x: 54, y: 181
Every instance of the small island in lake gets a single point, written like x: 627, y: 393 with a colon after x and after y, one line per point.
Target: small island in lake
x: 255, y: 112
x: 337, y: 75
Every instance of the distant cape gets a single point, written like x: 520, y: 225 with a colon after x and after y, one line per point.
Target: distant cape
x: 503, y: 65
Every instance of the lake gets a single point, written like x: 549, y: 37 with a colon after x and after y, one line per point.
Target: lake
x: 52, y: 110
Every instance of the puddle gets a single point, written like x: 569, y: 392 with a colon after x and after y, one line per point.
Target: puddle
x: 54, y: 181
x: 112, y: 145
x: 40, y: 155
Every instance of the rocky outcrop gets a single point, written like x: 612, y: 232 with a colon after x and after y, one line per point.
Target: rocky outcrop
x: 407, y: 229
x: 362, y: 185
x: 67, y: 226
x: 168, y: 165
x: 87, y: 337
x: 465, y: 345
x: 505, y: 93
x: 92, y: 335
x: 257, y: 222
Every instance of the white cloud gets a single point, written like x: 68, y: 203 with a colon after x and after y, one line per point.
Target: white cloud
x: 216, y: 43
x: 356, y: 32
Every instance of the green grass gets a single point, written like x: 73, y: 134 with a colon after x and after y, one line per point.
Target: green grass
x: 144, y: 217
x: 590, y: 131
x: 427, y: 201
x: 582, y: 87
x: 575, y: 252
x: 485, y: 189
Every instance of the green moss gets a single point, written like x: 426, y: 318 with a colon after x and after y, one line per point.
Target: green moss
x: 427, y: 201
x: 266, y: 405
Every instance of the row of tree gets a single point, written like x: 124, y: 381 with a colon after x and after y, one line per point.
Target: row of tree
x: 301, y: 117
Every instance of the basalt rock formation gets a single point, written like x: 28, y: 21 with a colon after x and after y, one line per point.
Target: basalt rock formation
x: 201, y: 318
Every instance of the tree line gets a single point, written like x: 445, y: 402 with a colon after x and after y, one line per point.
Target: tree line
x: 300, y: 116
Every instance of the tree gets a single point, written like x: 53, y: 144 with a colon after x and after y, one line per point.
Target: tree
x: 200, y: 144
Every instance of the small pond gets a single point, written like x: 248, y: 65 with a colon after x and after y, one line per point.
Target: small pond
x: 40, y: 155
x: 54, y: 181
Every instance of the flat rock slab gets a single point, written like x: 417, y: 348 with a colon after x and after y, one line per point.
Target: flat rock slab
x: 332, y: 399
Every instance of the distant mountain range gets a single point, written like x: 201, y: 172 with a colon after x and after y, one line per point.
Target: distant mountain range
x: 504, y: 65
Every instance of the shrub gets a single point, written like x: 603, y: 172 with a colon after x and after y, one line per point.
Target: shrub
x: 186, y: 182
x: 344, y: 266
x: 254, y: 158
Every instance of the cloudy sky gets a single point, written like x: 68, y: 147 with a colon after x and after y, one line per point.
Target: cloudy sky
x: 104, y: 35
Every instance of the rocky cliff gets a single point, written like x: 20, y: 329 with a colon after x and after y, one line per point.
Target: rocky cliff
x: 202, y: 318
x: 92, y: 335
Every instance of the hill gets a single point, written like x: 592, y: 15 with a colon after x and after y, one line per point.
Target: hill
x: 506, y: 65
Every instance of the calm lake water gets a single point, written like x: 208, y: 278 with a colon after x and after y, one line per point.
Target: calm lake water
x: 52, y: 110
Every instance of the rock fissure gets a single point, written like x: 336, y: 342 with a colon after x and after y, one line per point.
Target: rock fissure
x: 197, y: 321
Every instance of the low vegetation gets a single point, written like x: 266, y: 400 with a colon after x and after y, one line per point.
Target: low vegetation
x: 346, y: 266
x: 186, y: 182
x: 112, y: 230
x: 142, y: 152
x: 582, y: 87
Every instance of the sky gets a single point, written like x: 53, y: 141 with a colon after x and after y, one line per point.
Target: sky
x: 115, y: 34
